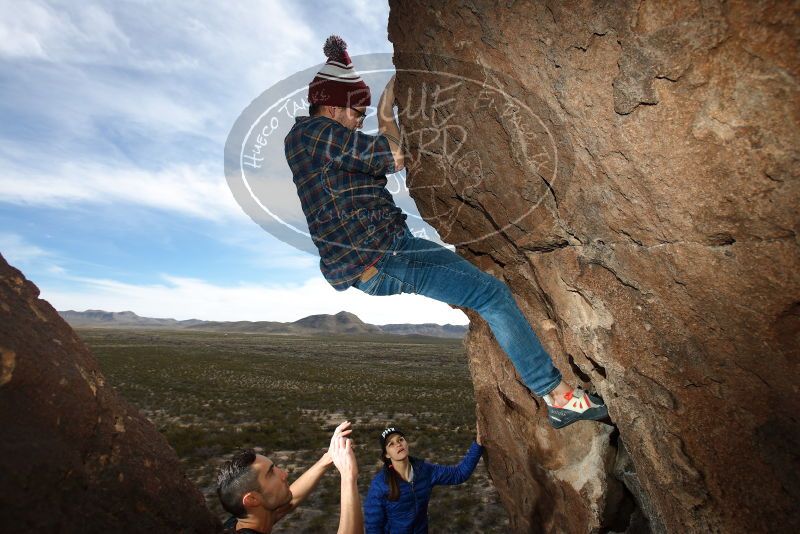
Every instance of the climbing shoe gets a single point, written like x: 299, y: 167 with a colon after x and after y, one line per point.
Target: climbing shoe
x: 580, y: 406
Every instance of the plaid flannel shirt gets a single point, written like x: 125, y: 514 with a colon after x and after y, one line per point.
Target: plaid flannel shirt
x: 340, y: 176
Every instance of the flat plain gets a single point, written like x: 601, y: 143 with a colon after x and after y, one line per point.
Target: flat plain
x: 211, y: 393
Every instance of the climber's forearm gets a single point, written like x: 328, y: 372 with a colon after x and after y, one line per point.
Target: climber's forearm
x: 387, y: 125
x: 392, y: 132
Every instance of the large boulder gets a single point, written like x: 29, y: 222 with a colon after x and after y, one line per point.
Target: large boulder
x: 630, y: 169
x: 74, y: 456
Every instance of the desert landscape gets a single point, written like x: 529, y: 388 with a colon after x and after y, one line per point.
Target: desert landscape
x: 210, y: 393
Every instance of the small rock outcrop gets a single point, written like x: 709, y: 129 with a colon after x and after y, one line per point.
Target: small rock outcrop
x: 74, y: 456
x: 631, y: 170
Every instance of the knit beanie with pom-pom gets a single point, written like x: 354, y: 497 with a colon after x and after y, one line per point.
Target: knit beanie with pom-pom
x: 337, y: 83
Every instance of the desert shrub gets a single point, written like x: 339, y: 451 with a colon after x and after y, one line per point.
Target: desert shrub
x: 211, y: 394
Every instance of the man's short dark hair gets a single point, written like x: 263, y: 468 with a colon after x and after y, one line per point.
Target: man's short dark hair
x: 314, y: 110
x: 235, y: 478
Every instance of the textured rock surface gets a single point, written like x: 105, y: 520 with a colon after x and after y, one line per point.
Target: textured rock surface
x: 74, y: 457
x: 635, y: 181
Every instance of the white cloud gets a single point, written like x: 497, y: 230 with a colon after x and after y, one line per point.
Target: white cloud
x: 167, y: 67
x: 151, y: 36
x: 107, y: 91
x: 32, y: 29
x: 370, y: 14
x: 188, y: 298
x: 26, y: 256
x: 262, y: 250
x: 198, y: 191
x: 158, y: 71
x: 17, y: 250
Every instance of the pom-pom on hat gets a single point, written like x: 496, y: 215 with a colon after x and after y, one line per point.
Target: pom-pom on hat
x: 337, y: 83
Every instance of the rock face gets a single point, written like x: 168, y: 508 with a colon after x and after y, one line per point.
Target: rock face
x: 630, y: 169
x: 74, y: 457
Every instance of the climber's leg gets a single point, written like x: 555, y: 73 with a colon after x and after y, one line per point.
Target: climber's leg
x: 424, y: 267
x: 415, y: 265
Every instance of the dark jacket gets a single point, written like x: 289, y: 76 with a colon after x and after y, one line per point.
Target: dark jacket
x: 409, y: 514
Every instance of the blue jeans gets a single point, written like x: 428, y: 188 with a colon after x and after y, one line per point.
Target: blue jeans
x: 415, y: 265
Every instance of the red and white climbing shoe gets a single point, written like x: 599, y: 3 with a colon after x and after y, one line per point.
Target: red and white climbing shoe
x: 580, y: 405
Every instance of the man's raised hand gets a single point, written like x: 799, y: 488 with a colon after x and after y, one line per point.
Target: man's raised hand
x: 341, y: 451
x: 351, y: 520
x: 341, y: 431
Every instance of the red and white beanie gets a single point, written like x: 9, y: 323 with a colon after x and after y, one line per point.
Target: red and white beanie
x: 337, y: 83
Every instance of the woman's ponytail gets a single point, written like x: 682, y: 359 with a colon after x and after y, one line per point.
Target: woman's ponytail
x: 392, y: 477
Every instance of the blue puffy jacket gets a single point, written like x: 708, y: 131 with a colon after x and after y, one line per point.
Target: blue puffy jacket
x: 409, y: 514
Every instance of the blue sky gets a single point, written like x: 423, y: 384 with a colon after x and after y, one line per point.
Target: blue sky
x: 113, y: 120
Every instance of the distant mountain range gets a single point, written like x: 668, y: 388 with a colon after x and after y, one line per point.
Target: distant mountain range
x: 341, y: 323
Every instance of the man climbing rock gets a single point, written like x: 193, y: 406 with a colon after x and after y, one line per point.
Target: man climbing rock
x: 363, y: 239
